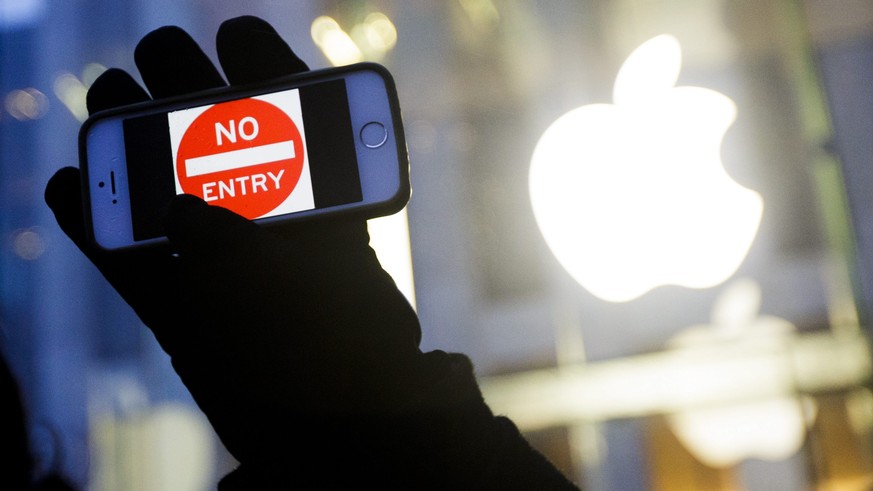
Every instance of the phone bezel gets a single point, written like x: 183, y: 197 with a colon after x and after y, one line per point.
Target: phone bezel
x: 384, y: 170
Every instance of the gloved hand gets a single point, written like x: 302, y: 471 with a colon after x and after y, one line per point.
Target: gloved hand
x: 263, y: 326
x: 294, y: 341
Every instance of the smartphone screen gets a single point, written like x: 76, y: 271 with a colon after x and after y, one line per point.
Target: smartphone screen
x: 261, y: 156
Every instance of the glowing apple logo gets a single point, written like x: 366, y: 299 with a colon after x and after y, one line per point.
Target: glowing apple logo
x: 633, y: 195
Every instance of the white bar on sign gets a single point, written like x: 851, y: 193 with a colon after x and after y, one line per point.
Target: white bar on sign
x: 236, y: 159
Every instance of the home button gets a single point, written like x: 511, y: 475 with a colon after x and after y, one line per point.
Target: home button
x: 374, y: 134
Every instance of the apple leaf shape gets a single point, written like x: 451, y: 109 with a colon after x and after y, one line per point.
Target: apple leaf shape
x: 652, y: 69
x: 634, y: 195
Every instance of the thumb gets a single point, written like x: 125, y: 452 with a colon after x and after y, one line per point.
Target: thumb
x: 196, y: 228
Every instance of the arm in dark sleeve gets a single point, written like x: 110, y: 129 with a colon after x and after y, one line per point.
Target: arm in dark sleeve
x: 446, y: 438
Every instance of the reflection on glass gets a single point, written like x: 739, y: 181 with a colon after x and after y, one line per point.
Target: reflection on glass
x: 370, y: 39
x: 26, y: 104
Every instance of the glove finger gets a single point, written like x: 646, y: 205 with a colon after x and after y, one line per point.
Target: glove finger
x: 201, y: 232
x: 250, y: 50
x: 171, y: 63
x: 229, y: 269
x: 114, y: 88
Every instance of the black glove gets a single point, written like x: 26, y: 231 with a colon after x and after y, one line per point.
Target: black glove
x: 294, y: 341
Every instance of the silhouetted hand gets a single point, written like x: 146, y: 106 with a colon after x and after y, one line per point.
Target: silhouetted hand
x: 262, y: 325
x: 294, y: 341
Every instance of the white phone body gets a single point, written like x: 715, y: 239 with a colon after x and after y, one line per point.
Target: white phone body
x: 326, y: 142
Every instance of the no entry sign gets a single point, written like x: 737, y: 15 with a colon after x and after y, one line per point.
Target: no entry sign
x: 247, y: 155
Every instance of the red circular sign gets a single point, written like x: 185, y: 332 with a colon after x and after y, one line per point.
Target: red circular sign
x: 244, y: 155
